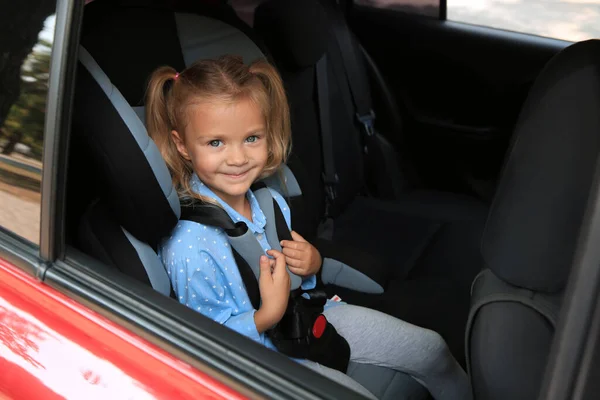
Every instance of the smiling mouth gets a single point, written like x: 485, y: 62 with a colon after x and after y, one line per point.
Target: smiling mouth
x: 237, y: 176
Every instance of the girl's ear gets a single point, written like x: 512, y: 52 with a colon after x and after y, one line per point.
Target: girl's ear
x: 180, y: 145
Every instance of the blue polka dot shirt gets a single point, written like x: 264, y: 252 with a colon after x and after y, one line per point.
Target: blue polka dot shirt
x: 200, y: 264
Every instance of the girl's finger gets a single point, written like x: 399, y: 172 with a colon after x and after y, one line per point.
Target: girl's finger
x: 290, y: 244
x: 297, y: 271
x: 265, y: 268
x: 292, y: 262
x: 290, y: 253
x: 274, y: 253
x: 279, y: 267
x: 297, y: 237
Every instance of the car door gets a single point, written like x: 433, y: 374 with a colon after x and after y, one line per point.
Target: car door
x: 460, y: 72
x: 71, y: 326
x: 51, y: 345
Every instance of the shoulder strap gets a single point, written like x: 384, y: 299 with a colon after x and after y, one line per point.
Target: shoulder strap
x: 207, y: 214
x: 359, y: 89
x: 268, y: 205
x: 250, y: 280
x: 330, y: 178
x: 245, y: 248
x: 283, y: 232
x: 379, y: 154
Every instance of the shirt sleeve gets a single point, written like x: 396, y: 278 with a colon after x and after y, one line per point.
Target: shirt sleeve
x: 308, y: 282
x: 209, y: 297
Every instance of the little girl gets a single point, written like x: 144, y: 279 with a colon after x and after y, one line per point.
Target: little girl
x: 221, y: 125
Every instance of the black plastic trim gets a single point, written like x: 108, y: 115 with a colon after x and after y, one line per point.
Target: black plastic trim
x: 199, y: 341
x: 57, y: 124
x: 443, y: 10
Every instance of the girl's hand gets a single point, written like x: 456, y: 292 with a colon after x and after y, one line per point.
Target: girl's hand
x: 301, y: 257
x: 274, y: 285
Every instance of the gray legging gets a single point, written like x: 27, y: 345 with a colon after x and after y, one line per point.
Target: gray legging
x: 380, y: 339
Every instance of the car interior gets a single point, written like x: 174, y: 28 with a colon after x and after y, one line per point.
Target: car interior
x: 420, y: 192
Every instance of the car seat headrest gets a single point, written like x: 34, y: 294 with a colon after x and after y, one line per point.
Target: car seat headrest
x: 296, y: 31
x: 137, y: 185
x: 532, y: 230
x: 129, y: 39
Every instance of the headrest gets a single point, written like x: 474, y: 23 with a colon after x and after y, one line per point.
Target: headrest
x: 129, y: 39
x: 295, y: 31
x: 136, y: 183
x: 534, y: 222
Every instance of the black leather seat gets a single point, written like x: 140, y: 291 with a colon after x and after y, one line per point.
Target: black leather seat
x: 533, y: 226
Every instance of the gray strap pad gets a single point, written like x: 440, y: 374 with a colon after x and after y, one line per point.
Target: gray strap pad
x: 337, y: 273
x: 249, y: 249
x: 284, y: 181
x: 264, y: 198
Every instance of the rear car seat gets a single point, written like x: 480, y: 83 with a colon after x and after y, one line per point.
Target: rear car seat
x: 120, y: 228
x: 429, y: 241
x: 413, y: 232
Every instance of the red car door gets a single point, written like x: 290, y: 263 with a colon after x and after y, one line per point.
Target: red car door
x: 53, y: 347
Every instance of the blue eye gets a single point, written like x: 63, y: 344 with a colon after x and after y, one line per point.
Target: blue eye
x: 252, y: 139
x: 214, y: 143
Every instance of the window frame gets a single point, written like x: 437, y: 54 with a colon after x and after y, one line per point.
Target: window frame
x: 34, y: 258
x: 443, y: 10
x: 57, y: 128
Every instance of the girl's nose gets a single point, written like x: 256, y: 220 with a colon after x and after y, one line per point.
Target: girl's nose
x: 237, y: 156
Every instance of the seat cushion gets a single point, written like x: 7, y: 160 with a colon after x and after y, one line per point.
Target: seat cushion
x: 430, y: 243
x: 421, y: 234
x: 386, y: 384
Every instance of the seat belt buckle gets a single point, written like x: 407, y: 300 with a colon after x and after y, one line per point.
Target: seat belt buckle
x: 368, y: 122
x: 330, y: 186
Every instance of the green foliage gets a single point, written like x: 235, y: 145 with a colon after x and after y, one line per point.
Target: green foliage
x: 25, y: 120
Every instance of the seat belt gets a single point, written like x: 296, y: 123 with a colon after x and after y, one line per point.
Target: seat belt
x: 303, y: 332
x: 376, y: 156
x: 330, y: 178
x: 213, y: 215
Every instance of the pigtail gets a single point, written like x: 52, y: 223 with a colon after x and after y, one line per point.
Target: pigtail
x: 166, y: 89
x: 278, y: 117
x: 158, y: 121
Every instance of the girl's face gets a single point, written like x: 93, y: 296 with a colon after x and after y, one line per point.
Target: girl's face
x: 227, y: 145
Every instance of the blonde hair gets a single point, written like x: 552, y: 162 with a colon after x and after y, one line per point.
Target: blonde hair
x: 226, y: 79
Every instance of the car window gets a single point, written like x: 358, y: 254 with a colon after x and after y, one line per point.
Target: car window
x: 572, y: 20
x: 245, y: 9
x: 27, y: 36
x: 429, y: 8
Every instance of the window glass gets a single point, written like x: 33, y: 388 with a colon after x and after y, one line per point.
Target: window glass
x: 572, y: 20
x: 430, y: 8
x: 27, y: 34
x: 245, y: 9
